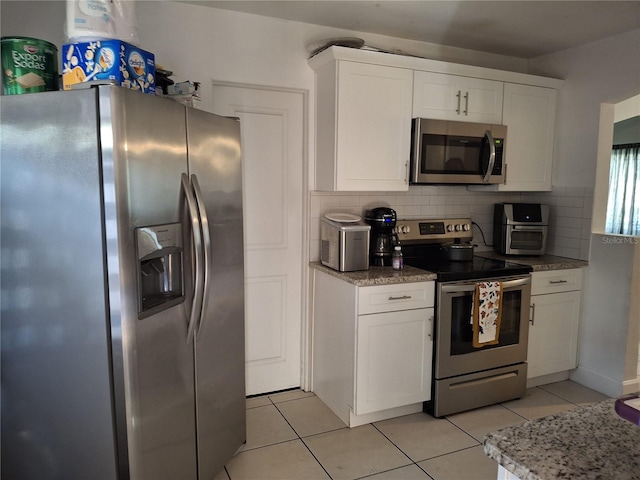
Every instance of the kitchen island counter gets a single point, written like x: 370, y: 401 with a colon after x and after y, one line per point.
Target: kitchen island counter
x: 379, y: 275
x: 590, y: 442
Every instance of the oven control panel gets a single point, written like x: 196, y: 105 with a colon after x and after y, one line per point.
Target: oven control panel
x: 434, y: 230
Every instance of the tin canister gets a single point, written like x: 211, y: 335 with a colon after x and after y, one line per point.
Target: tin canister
x: 28, y: 65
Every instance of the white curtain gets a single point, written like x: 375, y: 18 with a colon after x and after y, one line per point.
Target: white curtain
x: 623, y: 207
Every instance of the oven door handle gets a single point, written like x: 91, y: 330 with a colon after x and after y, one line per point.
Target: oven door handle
x: 470, y: 287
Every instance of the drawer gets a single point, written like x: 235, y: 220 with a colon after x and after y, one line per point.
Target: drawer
x: 554, y: 281
x: 390, y: 298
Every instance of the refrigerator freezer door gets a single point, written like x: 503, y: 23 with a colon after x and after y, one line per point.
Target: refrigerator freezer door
x: 144, y: 156
x: 56, y: 393
x: 215, y: 160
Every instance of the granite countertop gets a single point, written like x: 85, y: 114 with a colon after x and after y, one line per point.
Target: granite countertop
x: 388, y: 276
x: 590, y: 442
x: 379, y: 275
x: 539, y: 263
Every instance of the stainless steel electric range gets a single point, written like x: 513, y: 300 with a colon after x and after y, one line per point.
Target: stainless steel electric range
x: 467, y: 376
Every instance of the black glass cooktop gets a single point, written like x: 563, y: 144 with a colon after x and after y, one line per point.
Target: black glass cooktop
x: 451, y: 271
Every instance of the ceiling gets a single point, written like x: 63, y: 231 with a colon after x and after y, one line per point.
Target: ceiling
x: 522, y: 29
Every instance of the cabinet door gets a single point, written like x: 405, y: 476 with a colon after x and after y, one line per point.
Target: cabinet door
x: 553, y: 333
x: 451, y: 97
x: 393, y: 359
x: 529, y: 114
x: 373, y: 127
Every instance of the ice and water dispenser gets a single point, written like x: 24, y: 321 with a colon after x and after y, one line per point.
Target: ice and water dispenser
x: 160, y: 263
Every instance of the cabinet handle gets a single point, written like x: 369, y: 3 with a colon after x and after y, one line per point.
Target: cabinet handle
x: 431, y: 327
x: 458, y: 109
x: 466, y: 104
x: 557, y: 281
x: 406, y: 170
x: 533, y: 314
x: 404, y: 297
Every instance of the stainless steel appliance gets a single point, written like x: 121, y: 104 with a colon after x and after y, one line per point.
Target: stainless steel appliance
x: 383, y: 236
x: 457, y: 152
x: 122, y: 280
x: 344, y: 246
x: 465, y: 376
x: 520, y: 228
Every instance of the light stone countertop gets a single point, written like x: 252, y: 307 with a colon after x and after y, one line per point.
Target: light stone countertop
x: 587, y: 443
x: 378, y: 275
x: 388, y: 276
x: 539, y: 263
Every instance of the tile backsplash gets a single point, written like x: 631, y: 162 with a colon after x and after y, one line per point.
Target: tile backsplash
x: 569, y: 222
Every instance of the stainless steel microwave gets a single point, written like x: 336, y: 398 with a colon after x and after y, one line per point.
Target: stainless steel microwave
x: 457, y: 152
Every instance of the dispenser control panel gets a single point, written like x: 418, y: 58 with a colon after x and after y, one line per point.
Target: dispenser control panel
x: 160, y: 268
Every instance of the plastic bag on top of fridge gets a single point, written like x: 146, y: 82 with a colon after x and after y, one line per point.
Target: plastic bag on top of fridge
x: 89, y: 20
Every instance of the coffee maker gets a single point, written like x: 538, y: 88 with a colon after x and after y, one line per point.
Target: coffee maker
x: 383, y: 236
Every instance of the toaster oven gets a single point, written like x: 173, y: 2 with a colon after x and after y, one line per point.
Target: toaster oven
x: 520, y: 228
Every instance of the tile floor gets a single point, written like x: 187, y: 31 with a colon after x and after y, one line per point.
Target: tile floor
x: 293, y: 435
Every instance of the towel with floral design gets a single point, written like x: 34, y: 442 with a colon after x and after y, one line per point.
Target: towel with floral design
x: 487, y: 303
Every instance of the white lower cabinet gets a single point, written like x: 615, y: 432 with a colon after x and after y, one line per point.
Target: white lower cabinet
x: 393, y: 359
x: 372, y: 348
x: 555, y: 317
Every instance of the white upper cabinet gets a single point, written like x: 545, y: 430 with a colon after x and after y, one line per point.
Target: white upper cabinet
x: 365, y: 102
x: 363, y: 127
x: 451, y: 97
x: 529, y: 114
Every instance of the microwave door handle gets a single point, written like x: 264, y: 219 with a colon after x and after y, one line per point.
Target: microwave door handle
x: 492, y: 156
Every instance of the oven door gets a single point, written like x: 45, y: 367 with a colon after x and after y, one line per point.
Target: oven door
x: 526, y: 239
x: 455, y: 353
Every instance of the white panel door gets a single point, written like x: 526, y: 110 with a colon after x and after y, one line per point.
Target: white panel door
x: 272, y: 143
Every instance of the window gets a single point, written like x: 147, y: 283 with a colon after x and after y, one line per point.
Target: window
x: 623, y: 207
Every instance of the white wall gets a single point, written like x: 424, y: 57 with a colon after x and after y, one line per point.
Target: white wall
x: 203, y: 44
x: 598, y: 76
x: 607, y: 71
x: 608, y: 345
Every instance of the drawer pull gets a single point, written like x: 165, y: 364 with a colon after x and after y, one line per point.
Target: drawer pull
x: 557, y: 281
x: 404, y: 297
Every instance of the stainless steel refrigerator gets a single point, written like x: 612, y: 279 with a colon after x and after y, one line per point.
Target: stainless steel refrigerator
x: 122, y: 287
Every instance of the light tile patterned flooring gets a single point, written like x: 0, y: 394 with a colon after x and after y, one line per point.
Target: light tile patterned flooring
x: 293, y: 435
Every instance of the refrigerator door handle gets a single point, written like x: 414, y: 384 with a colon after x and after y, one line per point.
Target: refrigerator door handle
x: 206, y: 237
x: 196, y: 304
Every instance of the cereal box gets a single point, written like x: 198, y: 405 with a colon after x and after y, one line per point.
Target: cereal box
x: 115, y: 60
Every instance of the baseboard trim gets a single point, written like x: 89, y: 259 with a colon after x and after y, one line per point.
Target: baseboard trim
x: 546, y: 379
x: 631, y: 386
x: 598, y: 382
